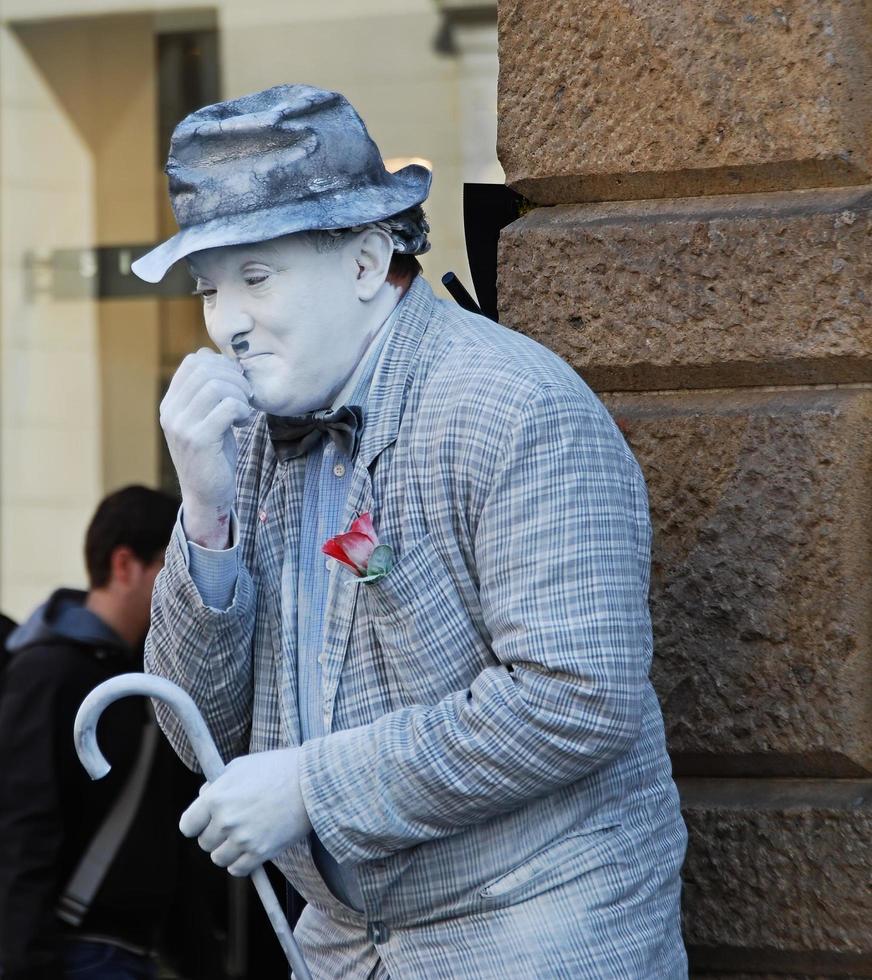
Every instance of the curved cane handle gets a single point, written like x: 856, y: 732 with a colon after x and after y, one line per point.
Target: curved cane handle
x: 125, y: 685
x: 85, y: 736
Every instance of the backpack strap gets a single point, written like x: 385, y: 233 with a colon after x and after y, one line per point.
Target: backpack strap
x: 95, y: 862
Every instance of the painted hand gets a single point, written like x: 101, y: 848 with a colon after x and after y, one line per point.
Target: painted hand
x: 207, y: 395
x: 253, y: 811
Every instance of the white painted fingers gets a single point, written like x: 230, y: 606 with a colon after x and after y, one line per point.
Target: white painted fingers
x: 251, y: 812
x: 207, y: 396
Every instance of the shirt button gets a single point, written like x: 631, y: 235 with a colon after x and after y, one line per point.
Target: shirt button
x: 328, y: 564
x: 339, y: 469
x: 322, y: 658
x: 377, y: 932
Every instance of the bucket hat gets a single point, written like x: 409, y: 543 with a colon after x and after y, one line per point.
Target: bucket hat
x: 288, y: 159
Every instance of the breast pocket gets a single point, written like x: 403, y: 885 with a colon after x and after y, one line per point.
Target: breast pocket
x: 429, y: 640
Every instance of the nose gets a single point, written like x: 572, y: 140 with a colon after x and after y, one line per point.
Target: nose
x: 227, y: 323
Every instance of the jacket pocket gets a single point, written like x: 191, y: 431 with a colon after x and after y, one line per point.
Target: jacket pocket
x: 424, y: 628
x: 572, y: 856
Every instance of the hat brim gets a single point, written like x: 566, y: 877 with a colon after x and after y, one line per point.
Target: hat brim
x: 341, y: 209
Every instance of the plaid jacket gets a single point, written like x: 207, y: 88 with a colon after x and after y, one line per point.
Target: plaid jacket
x: 493, y: 731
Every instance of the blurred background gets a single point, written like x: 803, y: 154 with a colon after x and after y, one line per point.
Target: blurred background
x: 90, y: 91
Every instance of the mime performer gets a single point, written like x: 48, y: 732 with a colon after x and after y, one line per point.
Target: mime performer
x: 449, y: 744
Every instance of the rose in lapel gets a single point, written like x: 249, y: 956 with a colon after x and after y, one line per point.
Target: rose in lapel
x: 358, y: 548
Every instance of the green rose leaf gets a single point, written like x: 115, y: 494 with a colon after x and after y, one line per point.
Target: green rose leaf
x: 381, y: 561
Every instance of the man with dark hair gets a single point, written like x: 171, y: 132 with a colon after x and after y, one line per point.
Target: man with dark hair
x: 454, y: 751
x: 134, y: 518
x: 50, y: 811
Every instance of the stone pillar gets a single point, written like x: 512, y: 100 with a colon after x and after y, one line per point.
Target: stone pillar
x: 701, y: 251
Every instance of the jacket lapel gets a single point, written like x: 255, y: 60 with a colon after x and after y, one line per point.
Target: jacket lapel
x: 382, y: 417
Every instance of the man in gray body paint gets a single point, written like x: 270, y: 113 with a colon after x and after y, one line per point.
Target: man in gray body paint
x: 460, y: 764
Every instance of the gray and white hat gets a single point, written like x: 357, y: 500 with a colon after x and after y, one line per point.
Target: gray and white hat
x: 292, y: 158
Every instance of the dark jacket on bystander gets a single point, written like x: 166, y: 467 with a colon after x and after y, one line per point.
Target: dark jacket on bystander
x: 49, y: 808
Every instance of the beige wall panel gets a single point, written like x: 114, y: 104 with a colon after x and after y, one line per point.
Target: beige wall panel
x: 57, y: 388
x: 48, y: 326
x: 38, y: 218
x: 761, y: 597
x: 777, y: 877
x: 61, y: 526
x: 125, y: 141
x: 103, y: 71
x: 707, y: 292
x: 27, y: 10
x: 127, y: 187
x: 37, y: 160
x: 78, y: 170
x: 44, y: 457
x: 610, y: 99
x: 258, y: 11
x: 44, y: 385
x: 130, y: 358
x: 267, y: 12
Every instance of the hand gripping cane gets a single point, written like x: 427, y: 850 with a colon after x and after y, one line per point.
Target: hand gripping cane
x: 85, y: 734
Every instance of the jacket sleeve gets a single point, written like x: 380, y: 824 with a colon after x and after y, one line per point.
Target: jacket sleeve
x: 562, y: 550
x: 206, y: 651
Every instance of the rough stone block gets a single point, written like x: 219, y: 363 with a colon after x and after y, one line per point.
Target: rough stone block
x: 618, y: 100
x: 761, y: 592
x: 702, y: 293
x: 778, y: 878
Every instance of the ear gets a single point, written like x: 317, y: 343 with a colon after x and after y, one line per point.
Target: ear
x: 124, y: 566
x: 372, y: 256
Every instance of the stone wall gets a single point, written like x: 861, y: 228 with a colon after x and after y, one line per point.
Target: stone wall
x: 701, y: 251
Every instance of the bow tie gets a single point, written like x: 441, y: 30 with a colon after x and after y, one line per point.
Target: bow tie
x: 295, y: 435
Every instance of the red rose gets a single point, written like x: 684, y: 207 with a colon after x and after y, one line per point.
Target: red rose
x: 358, y: 548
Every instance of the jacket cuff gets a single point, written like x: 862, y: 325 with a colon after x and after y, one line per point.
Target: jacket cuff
x: 328, y: 783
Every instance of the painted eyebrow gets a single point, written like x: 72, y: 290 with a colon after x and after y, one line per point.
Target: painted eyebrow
x: 266, y: 253
x: 195, y: 274
x: 268, y: 259
x: 272, y: 264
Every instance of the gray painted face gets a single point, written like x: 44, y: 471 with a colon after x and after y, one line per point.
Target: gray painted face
x: 291, y: 315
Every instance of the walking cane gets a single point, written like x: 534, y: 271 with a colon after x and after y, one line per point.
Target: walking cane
x: 85, y: 735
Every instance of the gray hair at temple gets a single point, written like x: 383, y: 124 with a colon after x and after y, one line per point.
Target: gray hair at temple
x: 408, y: 231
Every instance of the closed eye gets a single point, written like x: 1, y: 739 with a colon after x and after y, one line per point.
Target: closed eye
x: 255, y: 280
x: 205, y: 292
